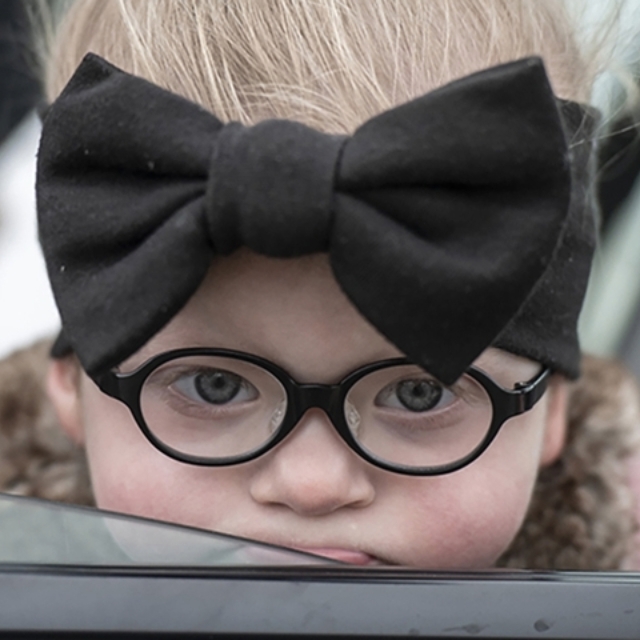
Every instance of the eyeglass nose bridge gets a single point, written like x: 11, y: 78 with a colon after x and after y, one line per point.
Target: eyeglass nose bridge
x: 316, y: 396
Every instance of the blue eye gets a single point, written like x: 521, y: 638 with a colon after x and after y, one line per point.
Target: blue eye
x: 414, y: 394
x: 418, y: 395
x: 216, y: 387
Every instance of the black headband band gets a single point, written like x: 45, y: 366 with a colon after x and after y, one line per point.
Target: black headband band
x: 455, y: 221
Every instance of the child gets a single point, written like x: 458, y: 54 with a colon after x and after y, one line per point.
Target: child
x: 268, y: 300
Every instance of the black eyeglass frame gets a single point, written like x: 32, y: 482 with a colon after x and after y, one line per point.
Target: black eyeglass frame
x: 506, y: 403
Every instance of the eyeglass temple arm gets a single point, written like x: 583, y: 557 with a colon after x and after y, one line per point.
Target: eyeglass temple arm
x: 528, y: 393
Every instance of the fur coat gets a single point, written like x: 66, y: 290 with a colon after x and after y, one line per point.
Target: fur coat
x: 584, y: 512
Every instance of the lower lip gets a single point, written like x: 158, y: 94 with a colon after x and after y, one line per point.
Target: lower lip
x: 342, y: 555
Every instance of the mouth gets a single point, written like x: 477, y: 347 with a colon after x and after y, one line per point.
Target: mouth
x: 350, y: 556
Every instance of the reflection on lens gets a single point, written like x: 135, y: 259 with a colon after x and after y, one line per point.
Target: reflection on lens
x: 353, y: 417
x: 212, y: 406
x: 405, y: 416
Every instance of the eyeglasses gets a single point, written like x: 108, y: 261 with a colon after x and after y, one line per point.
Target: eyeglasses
x: 218, y: 407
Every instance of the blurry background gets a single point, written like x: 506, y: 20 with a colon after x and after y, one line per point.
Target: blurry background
x: 610, y: 323
x: 26, y: 306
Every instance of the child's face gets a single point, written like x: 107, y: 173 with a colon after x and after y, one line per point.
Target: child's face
x: 312, y: 492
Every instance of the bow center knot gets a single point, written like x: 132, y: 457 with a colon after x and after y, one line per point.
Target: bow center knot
x: 271, y: 188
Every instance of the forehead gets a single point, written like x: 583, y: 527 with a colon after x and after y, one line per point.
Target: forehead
x: 293, y: 312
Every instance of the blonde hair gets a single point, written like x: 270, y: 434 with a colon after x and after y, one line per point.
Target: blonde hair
x: 329, y: 63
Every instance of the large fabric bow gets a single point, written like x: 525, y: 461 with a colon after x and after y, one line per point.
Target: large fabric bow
x: 439, y: 216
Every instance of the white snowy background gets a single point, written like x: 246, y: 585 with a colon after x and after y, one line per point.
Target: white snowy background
x: 27, y: 310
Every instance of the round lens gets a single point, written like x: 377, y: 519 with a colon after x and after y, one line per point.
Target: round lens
x: 212, y: 407
x: 404, y: 416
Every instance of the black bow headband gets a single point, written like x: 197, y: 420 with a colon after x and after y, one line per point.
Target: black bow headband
x: 450, y: 221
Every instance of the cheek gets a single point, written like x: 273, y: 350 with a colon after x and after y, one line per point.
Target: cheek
x: 466, y: 525
x: 130, y: 476
x: 467, y: 519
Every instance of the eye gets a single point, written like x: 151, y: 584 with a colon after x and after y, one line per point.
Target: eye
x: 414, y: 394
x: 215, y: 386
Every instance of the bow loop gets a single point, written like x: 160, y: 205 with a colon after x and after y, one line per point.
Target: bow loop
x: 271, y: 188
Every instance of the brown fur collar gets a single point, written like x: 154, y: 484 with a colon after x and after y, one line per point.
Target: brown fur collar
x: 583, y: 512
x: 36, y: 457
x: 583, y: 515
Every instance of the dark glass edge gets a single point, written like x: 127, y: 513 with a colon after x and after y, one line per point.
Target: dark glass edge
x: 316, y: 573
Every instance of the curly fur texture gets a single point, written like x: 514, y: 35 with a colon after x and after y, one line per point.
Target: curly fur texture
x: 583, y: 514
x: 36, y: 458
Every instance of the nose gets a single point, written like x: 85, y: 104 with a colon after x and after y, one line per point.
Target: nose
x: 313, y: 472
